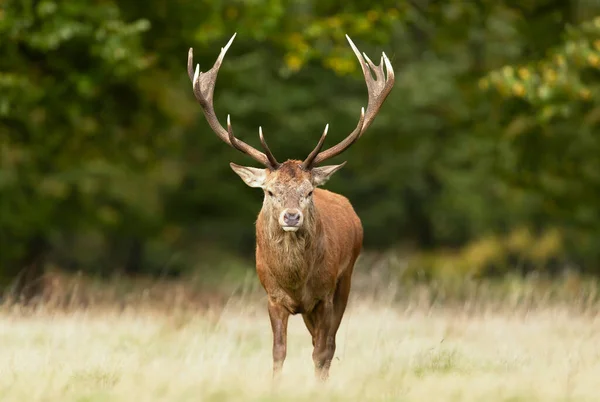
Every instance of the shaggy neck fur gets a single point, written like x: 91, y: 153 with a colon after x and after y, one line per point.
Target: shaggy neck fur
x: 290, y: 255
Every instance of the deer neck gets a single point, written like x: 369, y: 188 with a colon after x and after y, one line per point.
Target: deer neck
x: 293, y: 254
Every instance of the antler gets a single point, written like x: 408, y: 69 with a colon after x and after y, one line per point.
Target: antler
x: 378, y: 88
x: 204, y: 86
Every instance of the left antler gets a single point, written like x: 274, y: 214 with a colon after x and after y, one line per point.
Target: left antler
x: 378, y: 88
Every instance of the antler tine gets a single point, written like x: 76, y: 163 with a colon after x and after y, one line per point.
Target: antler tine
x: 190, y: 64
x: 234, y: 141
x: 268, y: 152
x: 378, y: 89
x: 307, y: 164
x: 203, y: 84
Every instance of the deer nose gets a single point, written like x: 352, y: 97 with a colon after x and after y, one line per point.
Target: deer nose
x: 291, y: 217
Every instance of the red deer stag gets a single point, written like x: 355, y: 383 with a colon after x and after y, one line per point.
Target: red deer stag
x: 307, y: 239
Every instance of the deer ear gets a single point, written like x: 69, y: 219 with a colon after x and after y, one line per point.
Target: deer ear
x: 321, y: 174
x: 253, y: 177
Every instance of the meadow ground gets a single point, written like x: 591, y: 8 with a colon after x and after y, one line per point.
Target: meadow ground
x: 387, y: 351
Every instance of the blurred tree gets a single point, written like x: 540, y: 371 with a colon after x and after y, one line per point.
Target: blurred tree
x: 75, y: 125
x: 108, y: 165
x: 552, y: 112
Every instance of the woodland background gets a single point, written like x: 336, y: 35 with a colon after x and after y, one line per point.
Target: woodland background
x: 484, y: 160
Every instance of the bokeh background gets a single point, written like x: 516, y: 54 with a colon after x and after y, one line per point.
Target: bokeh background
x: 483, y: 162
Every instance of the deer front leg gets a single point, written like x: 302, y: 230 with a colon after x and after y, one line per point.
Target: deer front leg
x: 323, y: 338
x: 310, y: 325
x: 323, y: 324
x: 279, y: 322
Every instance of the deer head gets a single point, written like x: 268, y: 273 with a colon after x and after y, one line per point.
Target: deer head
x: 289, y: 186
x: 288, y: 190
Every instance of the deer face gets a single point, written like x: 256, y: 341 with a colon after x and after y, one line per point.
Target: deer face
x: 288, y: 190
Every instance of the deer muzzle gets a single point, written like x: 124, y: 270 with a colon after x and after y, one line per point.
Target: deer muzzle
x: 291, y: 219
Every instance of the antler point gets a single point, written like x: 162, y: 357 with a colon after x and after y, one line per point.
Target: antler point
x: 388, y: 66
x: 351, y: 43
x: 196, y: 73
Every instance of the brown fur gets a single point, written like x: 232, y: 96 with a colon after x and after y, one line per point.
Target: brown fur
x: 308, y: 271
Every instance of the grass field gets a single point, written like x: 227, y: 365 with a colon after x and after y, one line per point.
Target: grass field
x: 386, y: 352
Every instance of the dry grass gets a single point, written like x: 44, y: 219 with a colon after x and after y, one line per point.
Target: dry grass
x: 386, y: 352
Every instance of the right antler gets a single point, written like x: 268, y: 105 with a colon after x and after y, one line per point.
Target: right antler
x: 204, y: 86
x: 378, y: 88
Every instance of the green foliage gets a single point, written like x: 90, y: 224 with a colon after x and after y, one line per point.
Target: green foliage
x: 551, y: 109
x: 108, y: 164
x: 559, y: 83
x: 518, y: 251
x: 74, y: 150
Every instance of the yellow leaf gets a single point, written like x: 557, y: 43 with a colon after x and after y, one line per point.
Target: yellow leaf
x: 519, y: 240
x: 524, y: 73
x: 547, y: 246
x: 295, y: 39
x: 585, y: 93
x: 334, y: 22
x: 560, y: 60
x: 340, y: 65
x: 550, y: 75
x: 293, y: 61
x: 518, y: 89
x: 481, y: 252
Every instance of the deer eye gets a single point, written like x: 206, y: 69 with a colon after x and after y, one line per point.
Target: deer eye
x: 309, y: 194
x: 270, y: 193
